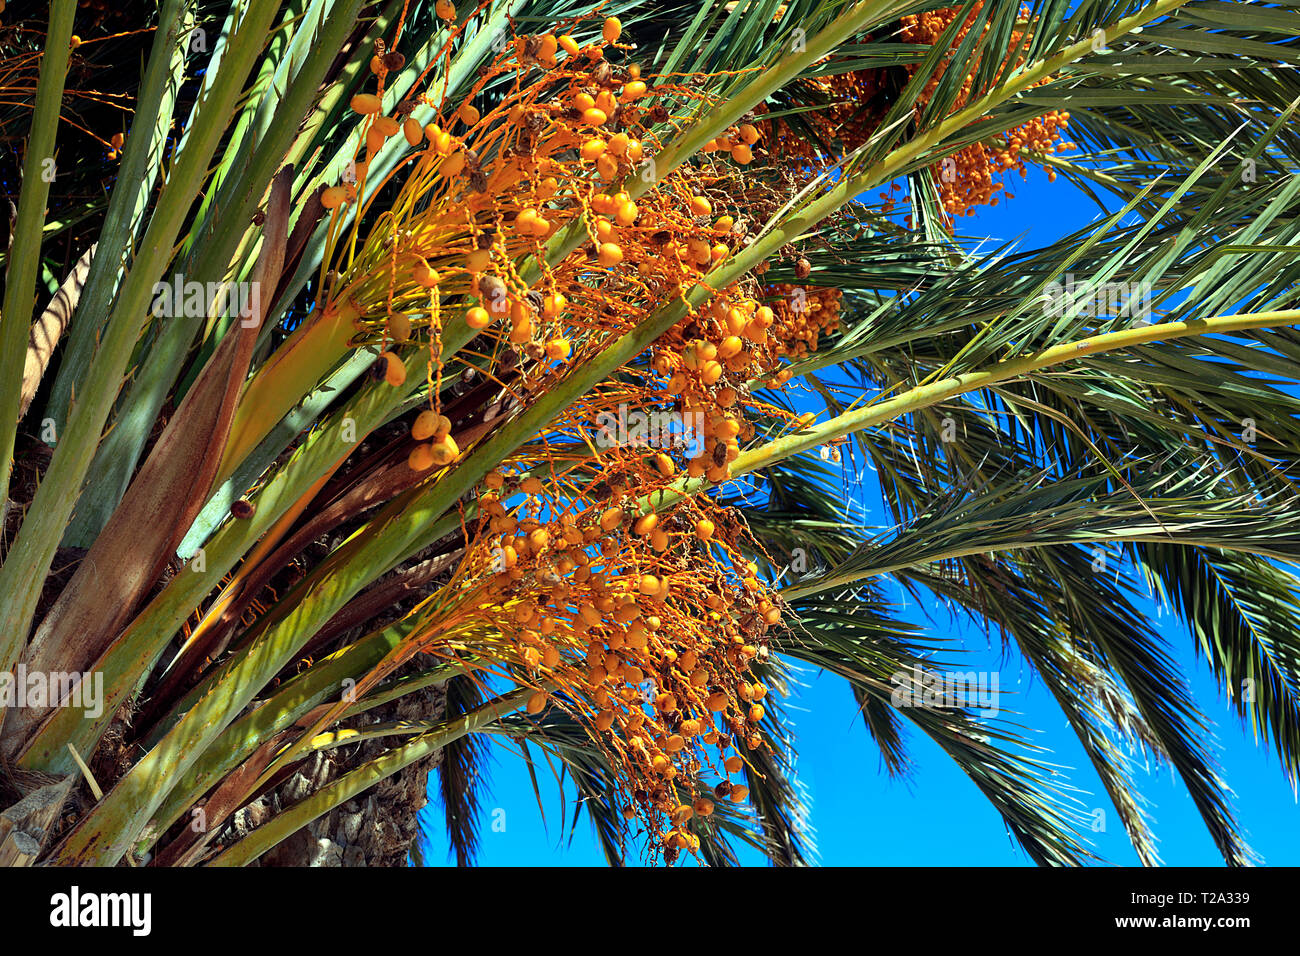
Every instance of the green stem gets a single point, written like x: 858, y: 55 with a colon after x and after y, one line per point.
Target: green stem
x: 345, y: 736
x: 20, y: 276
x: 25, y: 253
x: 793, y: 592
x: 924, y: 396
x: 933, y: 393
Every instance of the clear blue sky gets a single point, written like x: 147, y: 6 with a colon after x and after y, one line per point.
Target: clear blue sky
x: 938, y: 818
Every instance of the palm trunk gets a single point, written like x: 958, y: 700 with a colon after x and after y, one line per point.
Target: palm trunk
x: 377, y: 829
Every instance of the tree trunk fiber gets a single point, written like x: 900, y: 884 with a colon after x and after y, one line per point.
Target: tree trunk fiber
x: 375, y: 828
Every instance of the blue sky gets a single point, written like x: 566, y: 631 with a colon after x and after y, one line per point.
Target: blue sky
x: 937, y: 817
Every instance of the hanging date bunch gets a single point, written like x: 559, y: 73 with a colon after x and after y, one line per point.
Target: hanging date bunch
x: 852, y: 104
x: 966, y: 179
x: 514, y: 212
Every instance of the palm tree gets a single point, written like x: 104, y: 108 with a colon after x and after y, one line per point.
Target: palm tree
x: 327, y: 481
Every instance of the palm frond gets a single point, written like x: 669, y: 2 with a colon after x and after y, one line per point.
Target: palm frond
x: 462, y: 773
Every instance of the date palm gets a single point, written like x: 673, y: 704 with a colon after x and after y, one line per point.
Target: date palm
x: 227, y: 517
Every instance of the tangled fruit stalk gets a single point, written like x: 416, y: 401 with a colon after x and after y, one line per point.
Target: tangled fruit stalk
x: 642, y: 626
